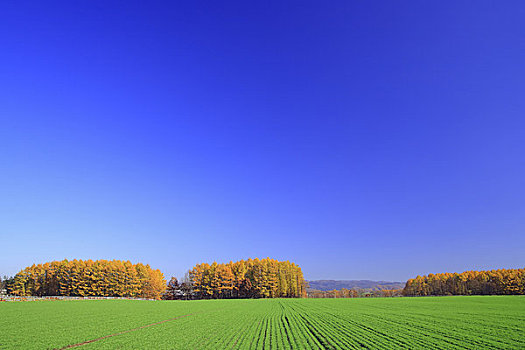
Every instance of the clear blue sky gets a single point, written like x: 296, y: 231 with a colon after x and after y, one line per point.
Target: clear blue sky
x: 361, y: 140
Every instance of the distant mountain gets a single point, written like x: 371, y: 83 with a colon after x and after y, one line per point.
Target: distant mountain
x: 354, y: 284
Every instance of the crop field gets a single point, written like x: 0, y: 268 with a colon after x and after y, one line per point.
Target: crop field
x: 468, y: 322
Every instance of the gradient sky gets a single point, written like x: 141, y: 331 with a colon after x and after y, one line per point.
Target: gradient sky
x: 361, y: 140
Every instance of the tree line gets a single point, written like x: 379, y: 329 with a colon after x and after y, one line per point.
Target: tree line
x: 252, y: 278
x: 493, y: 282
x: 113, y: 278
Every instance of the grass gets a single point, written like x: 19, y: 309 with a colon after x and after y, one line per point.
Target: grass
x: 466, y: 322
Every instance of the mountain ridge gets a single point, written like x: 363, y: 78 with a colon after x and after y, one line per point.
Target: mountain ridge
x: 326, y: 285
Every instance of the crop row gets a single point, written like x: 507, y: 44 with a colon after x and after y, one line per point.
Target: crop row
x: 410, y: 323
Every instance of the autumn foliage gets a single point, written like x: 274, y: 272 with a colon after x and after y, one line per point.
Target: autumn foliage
x: 113, y: 278
x: 503, y: 281
x: 252, y: 278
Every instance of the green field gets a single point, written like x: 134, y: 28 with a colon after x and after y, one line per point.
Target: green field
x: 468, y: 322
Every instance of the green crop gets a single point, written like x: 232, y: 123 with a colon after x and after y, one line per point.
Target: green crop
x: 462, y: 322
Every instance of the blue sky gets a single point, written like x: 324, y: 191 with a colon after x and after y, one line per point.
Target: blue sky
x: 361, y: 140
